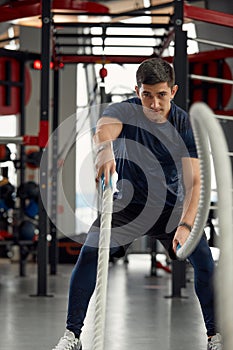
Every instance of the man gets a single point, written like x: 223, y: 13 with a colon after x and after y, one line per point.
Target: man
x: 149, y: 142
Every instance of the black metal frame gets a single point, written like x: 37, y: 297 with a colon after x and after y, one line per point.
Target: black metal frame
x: 181, y: 98
x: 43, y: 170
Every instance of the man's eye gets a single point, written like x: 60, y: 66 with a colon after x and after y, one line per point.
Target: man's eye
x: 146, y: 94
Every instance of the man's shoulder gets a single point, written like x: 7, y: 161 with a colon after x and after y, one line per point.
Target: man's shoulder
x: 133, y: 100
x: 123, y: 110
x: 178, y: 111
x: 178, y: 116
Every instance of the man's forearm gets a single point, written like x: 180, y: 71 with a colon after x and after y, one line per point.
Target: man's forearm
x: 106, y: 132
x: 191, y: 176
x: 190, y: 205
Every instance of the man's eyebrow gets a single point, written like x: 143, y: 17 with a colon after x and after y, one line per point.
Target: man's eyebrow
x: 158, y: 92
x: 146, y: 91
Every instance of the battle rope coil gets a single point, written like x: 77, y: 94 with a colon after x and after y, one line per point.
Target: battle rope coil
x: 200, y: 134
x: 102, y: 268
x: 203, y: 116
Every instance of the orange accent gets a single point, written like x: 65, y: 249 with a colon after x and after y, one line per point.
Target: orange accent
x: 14, y: 91
x: 84, y: 6
x: 210, y: 16
x: 37, y: 65
x: 43, y: 134
x: 5, y: 235
x: 2, y: 152
x: 228, y: 112
x: 163, y: 267
x: 30, y: 140
x: 103, y: 73
x: 72, y: 248
x: 196, y: 57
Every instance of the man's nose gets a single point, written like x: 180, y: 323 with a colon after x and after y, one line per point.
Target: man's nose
x: 154, y: 102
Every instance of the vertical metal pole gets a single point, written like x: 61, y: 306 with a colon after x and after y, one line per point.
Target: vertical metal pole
x: 22, y: 121
x: 180, y: 58
x: 22, y: 156
x: 53, y: 228
x: 43, y: 171
x: 181, y: 98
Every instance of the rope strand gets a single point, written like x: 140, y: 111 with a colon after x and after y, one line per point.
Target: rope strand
x: 102, y: 268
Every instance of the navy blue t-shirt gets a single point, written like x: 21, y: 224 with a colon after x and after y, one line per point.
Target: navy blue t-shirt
x: 148, y: 154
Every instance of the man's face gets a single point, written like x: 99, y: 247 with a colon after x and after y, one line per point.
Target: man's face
x: 156, y: 100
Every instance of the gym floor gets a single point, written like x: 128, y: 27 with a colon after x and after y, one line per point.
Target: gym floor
x: 140, y: 313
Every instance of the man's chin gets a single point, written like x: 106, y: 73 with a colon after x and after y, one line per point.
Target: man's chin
x: 154, y: 116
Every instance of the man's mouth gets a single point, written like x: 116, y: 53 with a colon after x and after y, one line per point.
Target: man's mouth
x: 154, y: 114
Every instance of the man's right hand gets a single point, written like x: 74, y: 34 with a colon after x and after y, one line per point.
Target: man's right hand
x: 105, y: 164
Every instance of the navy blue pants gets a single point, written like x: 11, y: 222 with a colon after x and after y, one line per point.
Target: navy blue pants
x: 124, y: 225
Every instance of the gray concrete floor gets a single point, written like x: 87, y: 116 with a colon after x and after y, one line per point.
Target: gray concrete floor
x: 138, y: 314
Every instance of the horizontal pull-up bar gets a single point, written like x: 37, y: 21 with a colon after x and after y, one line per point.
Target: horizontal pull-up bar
x: 26, y: 140
x: 213, y: 43
x: 108, y: 36
x: 80, y: 45
x: 11, y: 139
x: 224, y: 117
x: 106, y: 25
x: 211, y: 79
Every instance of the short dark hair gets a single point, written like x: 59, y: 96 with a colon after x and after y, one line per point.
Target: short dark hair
x: 153, y: 71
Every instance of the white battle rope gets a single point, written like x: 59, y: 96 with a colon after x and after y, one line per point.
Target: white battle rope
x: 102, y: 268
x: 202, y: 142
x: 204, y: 122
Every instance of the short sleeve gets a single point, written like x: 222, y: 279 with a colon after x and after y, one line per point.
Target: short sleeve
x: 124, y: 110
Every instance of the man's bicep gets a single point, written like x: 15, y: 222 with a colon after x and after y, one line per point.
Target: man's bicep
x: 109, y: 126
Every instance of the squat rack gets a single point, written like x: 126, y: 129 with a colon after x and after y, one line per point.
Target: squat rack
x: 173, y: 29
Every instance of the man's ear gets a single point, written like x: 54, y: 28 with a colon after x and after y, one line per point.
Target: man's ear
x: 174, y: 90
x: 137, y: 90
